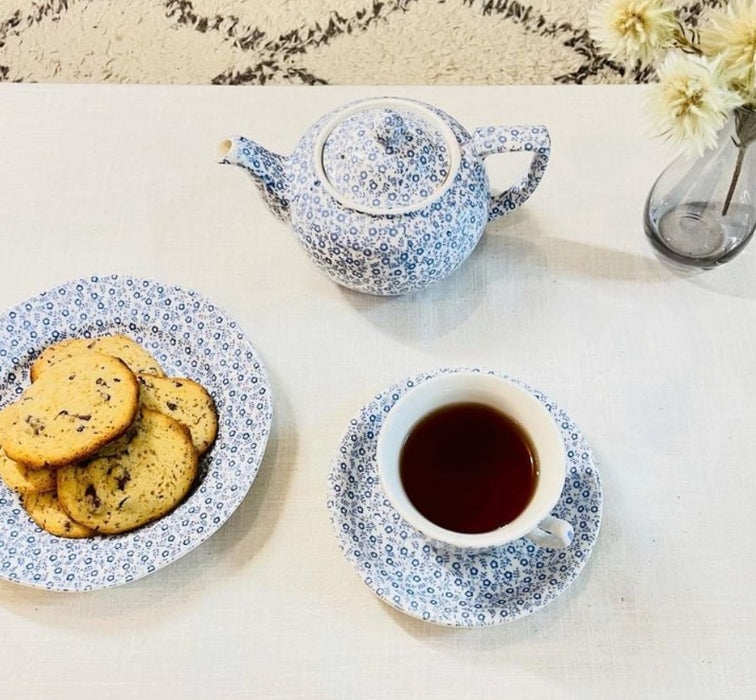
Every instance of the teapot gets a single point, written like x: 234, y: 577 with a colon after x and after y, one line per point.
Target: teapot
x: 388, y: 195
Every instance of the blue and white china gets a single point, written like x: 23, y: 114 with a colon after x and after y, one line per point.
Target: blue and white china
x: 444, y: 584
x: 190, y: 337
x: 388, y: 195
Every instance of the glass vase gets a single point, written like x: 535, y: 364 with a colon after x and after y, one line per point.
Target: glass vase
x: 700, y: 212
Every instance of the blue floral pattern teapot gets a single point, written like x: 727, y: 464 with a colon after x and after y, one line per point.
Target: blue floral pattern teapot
x: 389, y: 195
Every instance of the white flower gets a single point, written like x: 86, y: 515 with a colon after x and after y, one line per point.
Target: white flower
x: 691, y: 103
x: 632, y: 30
x: 731, y: 35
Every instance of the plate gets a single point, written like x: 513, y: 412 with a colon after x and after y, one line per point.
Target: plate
x: 189, y: 336
x: 443, y: 584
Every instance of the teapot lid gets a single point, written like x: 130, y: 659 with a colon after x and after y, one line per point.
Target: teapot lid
x: 387, y: 156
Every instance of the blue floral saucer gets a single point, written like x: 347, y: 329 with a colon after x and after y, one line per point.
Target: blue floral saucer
x: 446, y: 585
x: 190, y: 337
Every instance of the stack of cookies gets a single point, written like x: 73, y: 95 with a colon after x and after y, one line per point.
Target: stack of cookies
x: 102, y: 441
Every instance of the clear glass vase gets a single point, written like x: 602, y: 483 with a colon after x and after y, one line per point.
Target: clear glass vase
x: 701, y: 212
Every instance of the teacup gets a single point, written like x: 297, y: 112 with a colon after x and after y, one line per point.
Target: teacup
x: 443, y: 404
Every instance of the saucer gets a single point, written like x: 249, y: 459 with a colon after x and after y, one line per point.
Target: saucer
x: 443, y: 584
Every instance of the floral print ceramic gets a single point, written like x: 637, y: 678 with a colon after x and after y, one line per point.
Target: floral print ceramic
x: 189, y: 336
x: 443, y: 584
x: 389, y: 195
x: 386, y: 159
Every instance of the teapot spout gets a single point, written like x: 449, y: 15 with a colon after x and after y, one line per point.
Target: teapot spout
x: 268, y: 171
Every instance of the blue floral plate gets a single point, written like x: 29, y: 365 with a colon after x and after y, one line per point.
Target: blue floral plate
x: 189, y: 336
x: 439, y: 583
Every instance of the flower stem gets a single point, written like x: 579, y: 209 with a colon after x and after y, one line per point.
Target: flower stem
x: 745, y: 135
x: 734, y: 181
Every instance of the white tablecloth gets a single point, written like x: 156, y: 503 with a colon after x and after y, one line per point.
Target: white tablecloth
x: 658, y: 370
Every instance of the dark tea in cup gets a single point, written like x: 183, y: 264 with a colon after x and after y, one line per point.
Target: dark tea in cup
x: 468, y: 467
x: 474, y: 460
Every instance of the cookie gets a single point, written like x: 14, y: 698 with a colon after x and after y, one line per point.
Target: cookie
x: 116, y: 446
x: 45, y: 510
x: 78, y: 405
x: 55, y: 353
x: 22, y: 480
x: 124, y: 348
x: 5, y: 417
x: 145, y: 481
x: 186, y: 401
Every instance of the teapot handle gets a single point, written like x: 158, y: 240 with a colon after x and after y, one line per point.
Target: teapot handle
x: 505, y: 139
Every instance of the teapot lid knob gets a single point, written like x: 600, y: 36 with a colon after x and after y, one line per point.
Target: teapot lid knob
x: 391, y: 131
x: 387, y: 156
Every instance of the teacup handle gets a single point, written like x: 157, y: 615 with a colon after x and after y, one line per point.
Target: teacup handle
x: 505, y: 139
x: 552, y: 533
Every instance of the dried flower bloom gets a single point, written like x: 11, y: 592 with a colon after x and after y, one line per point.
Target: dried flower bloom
x: 730, y: 33
x: 692, y: 102
x: 631, y: 30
